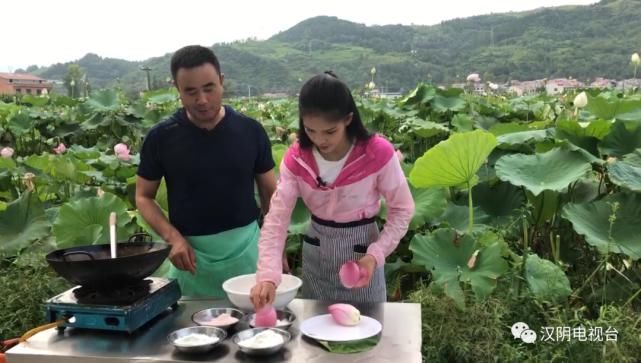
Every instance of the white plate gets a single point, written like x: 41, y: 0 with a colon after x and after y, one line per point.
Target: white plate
x: 323, y: 327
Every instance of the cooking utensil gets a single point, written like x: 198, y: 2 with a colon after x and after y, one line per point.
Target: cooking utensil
x: 93, y: 265
x: 112, y: 234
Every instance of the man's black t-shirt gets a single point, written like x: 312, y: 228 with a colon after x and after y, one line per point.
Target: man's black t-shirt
x: 209, y: 173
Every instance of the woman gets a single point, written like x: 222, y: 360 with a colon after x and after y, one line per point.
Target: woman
x: 341, y: 171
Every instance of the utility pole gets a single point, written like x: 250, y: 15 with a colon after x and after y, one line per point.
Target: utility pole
x: 147, y: 69
x: 492, y: 36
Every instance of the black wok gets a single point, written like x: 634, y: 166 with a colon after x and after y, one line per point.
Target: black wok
x: 93, y: 266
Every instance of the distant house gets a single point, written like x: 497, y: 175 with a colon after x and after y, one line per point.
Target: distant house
x: 600, y: 82
x: 275, y: 95
x: 478, y: 87
x: 526, y: 87
x: 629, y: 83
x: 23, y: 83
x: 561, y: 85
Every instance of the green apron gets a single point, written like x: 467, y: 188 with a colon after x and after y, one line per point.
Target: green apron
x: 219, y: 257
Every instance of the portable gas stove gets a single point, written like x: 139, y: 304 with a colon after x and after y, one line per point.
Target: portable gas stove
x: 124, y: 309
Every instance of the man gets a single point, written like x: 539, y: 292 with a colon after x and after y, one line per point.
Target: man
x: 210, y: 156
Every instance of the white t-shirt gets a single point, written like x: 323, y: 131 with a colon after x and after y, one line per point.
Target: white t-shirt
x: 329, y: 170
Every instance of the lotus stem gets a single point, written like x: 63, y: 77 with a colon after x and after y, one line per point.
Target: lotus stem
x: 470, y: 209
x: 632, y: 298
x: 525, y: 253
x: 577, y: 291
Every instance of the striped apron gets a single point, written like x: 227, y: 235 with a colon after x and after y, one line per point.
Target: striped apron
x: 219, y: 257
x: 326, y: 247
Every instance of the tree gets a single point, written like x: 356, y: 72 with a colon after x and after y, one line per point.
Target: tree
x: 73, y: 80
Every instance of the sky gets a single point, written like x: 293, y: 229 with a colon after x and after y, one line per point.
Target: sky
x: 44, y: 32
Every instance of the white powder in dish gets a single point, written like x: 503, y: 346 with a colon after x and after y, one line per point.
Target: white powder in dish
x: 262, y: 340
x: 195, y: 339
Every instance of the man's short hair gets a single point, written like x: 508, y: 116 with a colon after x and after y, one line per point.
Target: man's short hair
x: 193, y: 56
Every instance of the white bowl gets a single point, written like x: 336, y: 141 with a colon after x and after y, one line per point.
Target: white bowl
x: 238, y: 288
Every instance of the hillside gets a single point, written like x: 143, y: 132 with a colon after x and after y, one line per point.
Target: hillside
x: 583, y: 42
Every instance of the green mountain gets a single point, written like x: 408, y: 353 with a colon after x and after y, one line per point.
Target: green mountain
x: 582, y: 42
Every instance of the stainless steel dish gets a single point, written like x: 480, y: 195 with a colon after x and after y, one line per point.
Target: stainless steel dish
x: 204, y: 317
x: 285, y: 317
x: 199, y: 348
x: 246, y: 334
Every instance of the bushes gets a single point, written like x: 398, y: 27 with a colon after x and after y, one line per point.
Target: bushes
x: 23, y: 291
x: 481, y: 333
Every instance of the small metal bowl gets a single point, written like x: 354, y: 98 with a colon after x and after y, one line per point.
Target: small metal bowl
x: 204, y: 317
x: 246, y: 334
x: 201, y: 348
x: 287, y: 318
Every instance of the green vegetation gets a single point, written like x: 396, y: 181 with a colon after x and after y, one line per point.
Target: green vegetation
x: 525, y: 209
x: 582, y: 42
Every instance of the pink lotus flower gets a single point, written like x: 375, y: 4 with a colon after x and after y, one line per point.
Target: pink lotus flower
x: 473, y: 77
x: 122, y: 152
x: 121, y: 148
x: 266, y: 317
x: 351, y: 274
x: 345, y: 314
x: 60, y: 149
x: 6, y: 152
x: 123, y: 157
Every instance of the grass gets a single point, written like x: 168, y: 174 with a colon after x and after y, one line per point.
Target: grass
x: 24, y: 291
x: 481, y: 333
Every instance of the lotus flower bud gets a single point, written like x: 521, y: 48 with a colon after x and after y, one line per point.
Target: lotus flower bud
x: 351, y: 273
x: 371, y: 85
x: 345, y: 314
x: 581, y: 100
x: 124, y: 157
x: 280, y: 131
x: 121, y: 149
x: 122, y: 152
x: 60, y: 149
x: 373, y: 71
x: 266, y: 317
x: 472, y: 261
x: 6, y: 152
x: 27, y: 181
x: 635, y: 59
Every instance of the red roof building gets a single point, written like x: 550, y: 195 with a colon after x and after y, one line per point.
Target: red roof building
x: 23, y: 83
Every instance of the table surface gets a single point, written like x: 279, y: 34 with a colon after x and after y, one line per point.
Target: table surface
x: 400, y: 339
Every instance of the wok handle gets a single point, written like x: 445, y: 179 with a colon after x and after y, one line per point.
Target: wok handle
x: 67, y: 254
